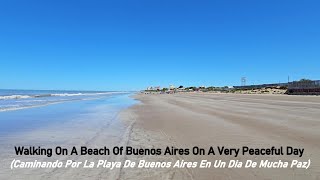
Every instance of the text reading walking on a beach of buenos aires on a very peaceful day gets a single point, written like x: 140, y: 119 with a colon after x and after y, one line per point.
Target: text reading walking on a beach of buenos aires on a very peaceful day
x: 128, y: 150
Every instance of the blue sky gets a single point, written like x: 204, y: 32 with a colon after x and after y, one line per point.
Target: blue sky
x: 129, y: 45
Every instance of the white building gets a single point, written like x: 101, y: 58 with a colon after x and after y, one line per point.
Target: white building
x: 171, y: 87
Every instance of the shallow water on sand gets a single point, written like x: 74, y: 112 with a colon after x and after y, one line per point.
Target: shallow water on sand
x: 91, y: 123
x: 24, y: 120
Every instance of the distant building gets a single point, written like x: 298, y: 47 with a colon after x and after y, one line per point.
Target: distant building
x: 304, y: 87
x: 171, y: 87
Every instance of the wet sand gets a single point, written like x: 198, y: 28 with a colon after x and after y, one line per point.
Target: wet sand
x: 231, y: 120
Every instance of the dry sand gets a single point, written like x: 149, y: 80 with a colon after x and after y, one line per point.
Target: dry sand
x: 232, y: 120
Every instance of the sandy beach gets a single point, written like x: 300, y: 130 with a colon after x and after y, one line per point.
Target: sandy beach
x: 231, y: 120
x: 159, y: 90
x: 166, y: 120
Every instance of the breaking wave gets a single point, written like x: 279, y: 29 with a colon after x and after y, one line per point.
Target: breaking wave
x: 20, y: 99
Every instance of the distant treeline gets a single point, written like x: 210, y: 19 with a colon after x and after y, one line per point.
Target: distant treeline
x: 296, y: 84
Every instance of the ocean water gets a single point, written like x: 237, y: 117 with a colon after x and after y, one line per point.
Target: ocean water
x: 27, y: 110
x: 19, y: 99
x: 27, y: 114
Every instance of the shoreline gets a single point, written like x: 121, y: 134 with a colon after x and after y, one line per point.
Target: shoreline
x: 94, y: 125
